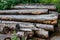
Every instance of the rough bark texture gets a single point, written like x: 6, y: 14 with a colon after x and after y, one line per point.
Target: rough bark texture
x: 28, y: 25
x: 49, y: 18
x: 50, y: 7
x: 24, y: 12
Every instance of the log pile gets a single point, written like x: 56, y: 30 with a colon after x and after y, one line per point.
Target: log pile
x: 49, y: 7
x: 38, y: 22
x: 48, y: 18
x: 24, y: 12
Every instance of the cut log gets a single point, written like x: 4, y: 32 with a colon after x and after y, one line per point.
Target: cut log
x: 49, y: 18
x: 43, y: 22
x: 41, y: 33
x: 23, y: 11
x: 45, y: 26
x: 3, y: 36
x: 22, y: 24
x: 53, y: 12
x: 50, y: 7
x: 28, y: 25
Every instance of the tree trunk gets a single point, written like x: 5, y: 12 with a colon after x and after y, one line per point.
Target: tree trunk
x: 50, y: 7
x: 24, y: 12
x: 28, y: 25
x: 41, y: 33
x: 49, y: 18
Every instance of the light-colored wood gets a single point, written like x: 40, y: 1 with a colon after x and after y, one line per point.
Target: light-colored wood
x: 27, y: 25
x: 24, y: 11
x: 45, y: 26
x: 52, y: 7
x: 48, y: 18
x: 42, y: 33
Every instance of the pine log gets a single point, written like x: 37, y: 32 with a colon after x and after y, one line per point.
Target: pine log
x: 24, y: 11
x: 45, y: 26
x: 53, y: 12
x: 41, y: 33
x: 49, y: 18
x: 28, y: 25
x: 50, y: 7
x: 3, y: 36
x: 22, y: 25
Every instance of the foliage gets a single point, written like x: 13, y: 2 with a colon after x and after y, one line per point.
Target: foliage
x: 58, y: 6
x: 14, y: 37
x: 45, y: 1
x: 6, y: 4
x: 29, y: 1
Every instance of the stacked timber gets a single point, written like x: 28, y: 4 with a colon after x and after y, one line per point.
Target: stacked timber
x: 49, y: 7
x: 24, y: 12
x: 48, y: 18
x: 36, y: 21
x: 28, y: 25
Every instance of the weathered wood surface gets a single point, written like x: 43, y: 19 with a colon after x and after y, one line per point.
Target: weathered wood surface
x: 28, y: 25
x: 22, y: 25
x: 45, y: 26
x: 53, y: 12
x: 3, y: 36
x: 42, y: 33
x: 24, y: 11
x: 50, y: 7
x: 25, y: 30
x: 49, y: 18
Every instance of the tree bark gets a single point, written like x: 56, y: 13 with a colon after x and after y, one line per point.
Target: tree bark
x: 24, y: 12
x: 49, y: 18
x: 50, y: 7
x: 41, y: 33
x: 45, y: 26
x: 28, y: 25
